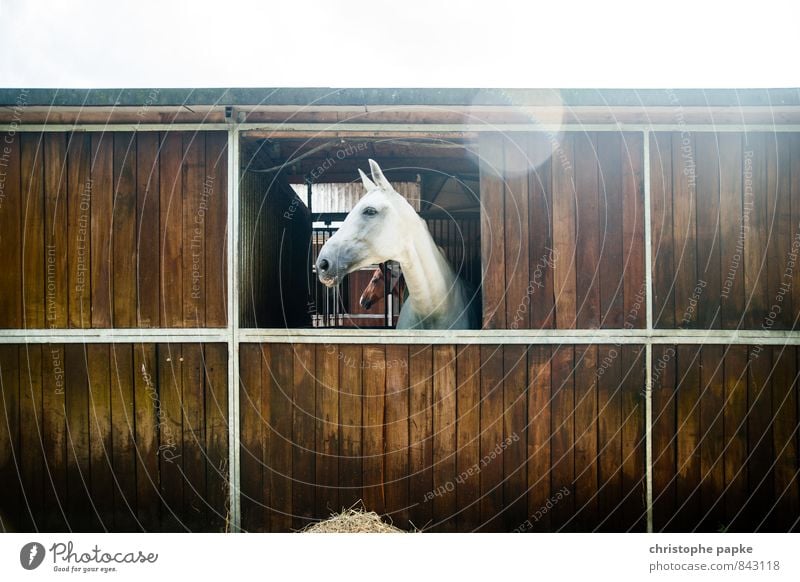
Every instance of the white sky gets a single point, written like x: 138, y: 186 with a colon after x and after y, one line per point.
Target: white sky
x: 424, y: 43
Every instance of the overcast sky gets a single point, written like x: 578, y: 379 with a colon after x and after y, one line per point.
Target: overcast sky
x: 493, y: 43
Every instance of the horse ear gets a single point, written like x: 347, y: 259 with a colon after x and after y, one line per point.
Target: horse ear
x: 368, y: 184
x: 378, y: 177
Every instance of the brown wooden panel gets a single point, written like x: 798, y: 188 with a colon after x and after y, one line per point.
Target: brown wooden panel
x: 102, y: 475
x: 80, y: 510
x: 194, y: 230
x: 684, y: 225
x: 54, y: 437
x: 123, y: 437
x: 147, y: 230
x: 493, y: 231
x: 124, y: 230
x: 662, y: 230
x: 587, y: 233
x: 102, y: 195
x: 760, y: 463
x: 712, y: 413
x: 303, y: 435
x: 786, y: 506
x: 55, y: 231
x: 664, y: 439
x: 171, y: 230
x: 216, y: 219
x: 13, y: 200
x: 148, y: 408
x: 609, y: 436
x: 610, y: 232
x: 515, y: 221
x: 216, y: 436
x: 193, y: 436
x: 540, y: 229
x: 33, y: 219
x: 252, y: 454
x: 564, y: 232
x: 281, y: 368
x: 515, y: 430
x: 350, y: 415
x: 732, y: 234
x: 633, y: 440
x: 468, y: 427
x: 327, y: 431
x: 756, y: 236
x: 444, y: 438
x: 396, y: 464
x: 633, y: 278
x: 420, y: 408
x: 688, y: 446
x: 491, y: 473
x: 170, y: 437
x: 79, y: 217
x: 31, y: 459
x: 374, y: 384
x: 562, y: 419
x: 735, y: 443
x: 539, y: 437
x: 586, y: 446
x: 11, y: 494
x: 708, y: 230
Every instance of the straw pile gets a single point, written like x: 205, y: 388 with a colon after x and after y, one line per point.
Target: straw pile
x: 353, y: 520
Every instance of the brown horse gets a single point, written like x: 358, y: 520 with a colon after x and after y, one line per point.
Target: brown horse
x: 375, y: 291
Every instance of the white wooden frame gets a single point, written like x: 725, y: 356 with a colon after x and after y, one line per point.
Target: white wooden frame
x: 233, y: 336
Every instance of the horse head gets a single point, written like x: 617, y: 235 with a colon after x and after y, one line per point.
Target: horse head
x: 375, y: 231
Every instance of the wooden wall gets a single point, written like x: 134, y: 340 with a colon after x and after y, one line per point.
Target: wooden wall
x: 499, y: 431
x: 562, y: 230
x: 725, y: 216
x: 114, y: 229
x: 725, y: 438
x: 120, y: 437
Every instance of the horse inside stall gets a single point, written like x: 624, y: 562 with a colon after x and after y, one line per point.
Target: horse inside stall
x: 375, y: 291
x: 382, y: 227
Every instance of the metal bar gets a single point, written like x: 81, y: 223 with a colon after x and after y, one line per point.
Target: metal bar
x: 234, y: 473
x: 648, y: 366
x: 648, y: 433
x: 114, y: 336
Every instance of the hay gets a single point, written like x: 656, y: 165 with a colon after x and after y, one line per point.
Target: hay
x: 353, y: 520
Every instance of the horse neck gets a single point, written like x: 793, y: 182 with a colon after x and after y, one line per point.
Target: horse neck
x: 428, y: 276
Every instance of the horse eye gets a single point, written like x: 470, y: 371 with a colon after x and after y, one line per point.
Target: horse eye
x: 369, y: 211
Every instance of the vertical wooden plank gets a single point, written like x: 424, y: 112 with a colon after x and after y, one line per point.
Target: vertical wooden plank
x: 79, y: 221
x: 98, y: 357
x: 420, y: 432
x: 540, y: 230
x: 468, y: 427
x: 55, y: 231
x: 101, y: 225
x: 80, y: 510
x: 732, y: 233
x: 193, y: 435
x: 54, y: 441
x: 708, y: 227
x: 350, y: 415
x: 784, y: 408
x: 664, y: 435
x: 327, y: 431
x: 684, y: 182
x: 31, y: 460
x: 564, y: 232
x: 194, y: 231
x: 609, y: 436
x: 539, y: 437
x: 562, y: 419
x: 516, y: 233
x: 492, y: 230
x: 215, y: 196
x: 374, y: 382
x: 754, y: 204
x: 712, y: 413
x: 688, y: 440
x: 633, y: 230
x: 515, y: 429
x: 11, y: 494
x: 491, y: 464
x: 794, y: 197
x: 124, y: 230
x: 33, y: 218
x: 252, y: 460
x: 123, y: 437
x: 12, y: 205
x: 586, y: 437
x: 761, y: 455
x: 280, y: 395
x: 610, y: 266
x: 216, y: 436
x: 735, y: 443
x: 780, y: 250
x: 147, y: 229
x: 170, y: 427
x: 303, y: 436
x: 662, y: 233
x: 633, y: 440
x: 148, y: 407
x: 396, y: 464
x: 587, y: 232
x: 444, y: 438
x: 170, y: 188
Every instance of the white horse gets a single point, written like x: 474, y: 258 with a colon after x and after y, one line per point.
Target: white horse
x: 382, y: 227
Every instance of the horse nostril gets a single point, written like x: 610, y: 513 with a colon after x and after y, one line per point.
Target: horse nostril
x: 324, y: 264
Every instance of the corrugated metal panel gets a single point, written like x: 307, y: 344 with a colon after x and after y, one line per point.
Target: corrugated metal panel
x: 343, y: 197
